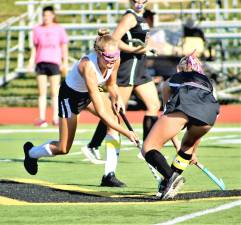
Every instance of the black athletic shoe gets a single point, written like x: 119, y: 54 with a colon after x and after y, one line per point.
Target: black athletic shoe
x: 111, y: 181
x: 30, y: 164
x: 173, y: 185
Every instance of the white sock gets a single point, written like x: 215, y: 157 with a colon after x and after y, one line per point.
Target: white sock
x: 112, y: 152
x: 43, y: 150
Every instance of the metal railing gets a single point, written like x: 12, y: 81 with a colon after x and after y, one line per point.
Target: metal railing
x: 84, y: 33
x: 5, y: 28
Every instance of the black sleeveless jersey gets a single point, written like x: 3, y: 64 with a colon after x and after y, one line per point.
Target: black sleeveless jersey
x: 138, y: 32
x: 193, y: 76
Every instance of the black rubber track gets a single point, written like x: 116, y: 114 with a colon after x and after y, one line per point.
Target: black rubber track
x: 41, y: 194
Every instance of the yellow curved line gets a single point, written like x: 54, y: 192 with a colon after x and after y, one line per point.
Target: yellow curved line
x: 10, y: 201
x: 7, y: 201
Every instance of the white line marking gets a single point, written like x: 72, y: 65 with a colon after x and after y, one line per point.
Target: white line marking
x: 221, y: 137
x: 201, y: 213
x: 226, y: 129
x: 231, y: 141
x: 48, y: 130
x: 54, y: 130
x: 75, y: 153
x: 6, y: 160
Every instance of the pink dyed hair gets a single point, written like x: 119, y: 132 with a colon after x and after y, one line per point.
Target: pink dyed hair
x: 190, y: 63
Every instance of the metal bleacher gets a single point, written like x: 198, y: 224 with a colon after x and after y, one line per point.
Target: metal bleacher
x: 82, y: 19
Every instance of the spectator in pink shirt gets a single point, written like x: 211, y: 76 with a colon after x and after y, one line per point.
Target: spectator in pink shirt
x: 50, y: 55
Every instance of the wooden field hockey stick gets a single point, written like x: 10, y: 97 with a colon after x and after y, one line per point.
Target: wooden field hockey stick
x: 211, y: 176
x: 153, y: 170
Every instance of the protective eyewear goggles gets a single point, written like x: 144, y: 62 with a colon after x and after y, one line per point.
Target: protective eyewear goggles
x: 110, y: 57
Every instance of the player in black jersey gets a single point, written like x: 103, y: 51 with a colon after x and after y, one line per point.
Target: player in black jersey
x: 132, y: 75
x: 191, y: 104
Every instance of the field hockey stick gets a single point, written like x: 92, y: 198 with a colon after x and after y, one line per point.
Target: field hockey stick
x: 138, y: 42
x: 211, y: 176
x: 153, y: 170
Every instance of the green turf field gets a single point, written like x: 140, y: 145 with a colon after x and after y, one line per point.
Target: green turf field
x: 220, y: 152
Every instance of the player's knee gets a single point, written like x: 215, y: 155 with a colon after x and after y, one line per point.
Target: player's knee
x: 154, y: 107
x: 149, y: 144
x: 63, y: 150
x: 157, y: 106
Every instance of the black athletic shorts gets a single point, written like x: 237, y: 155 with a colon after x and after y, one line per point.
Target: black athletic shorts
x: 49, y: 69
x: 71, y: 101
x: 198, y: 105
x: 132, y: 72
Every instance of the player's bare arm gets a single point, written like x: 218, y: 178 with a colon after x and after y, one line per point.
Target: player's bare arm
x: 127, y: 22
x: 91, y: 83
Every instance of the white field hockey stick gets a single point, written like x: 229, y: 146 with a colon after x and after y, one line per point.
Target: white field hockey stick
x: 211, y: 176
x: 153, y: 170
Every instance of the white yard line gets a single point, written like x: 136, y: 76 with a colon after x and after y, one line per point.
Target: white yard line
x: 48, y: 130
x: 230, y: 141
x: 201, y: 213
x: 226, y: 129
x: 54, y: 130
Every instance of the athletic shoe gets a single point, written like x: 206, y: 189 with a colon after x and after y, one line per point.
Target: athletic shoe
x: 41, y: 123
x: 92, y: 154
x: 174, y: 184
x: 161, y: 187
x: 111, y: 181
x: 30, y: 164
x: 96, y: 153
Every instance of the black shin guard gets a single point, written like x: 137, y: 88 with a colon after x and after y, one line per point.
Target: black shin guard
x: 148, y: 122
x: 181, y: 161
x: 158, y: 161
x: 98, y: 136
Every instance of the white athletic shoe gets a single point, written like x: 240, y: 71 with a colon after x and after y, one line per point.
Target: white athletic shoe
x: 173, y: 186
x: 97, y: 153
x: 92, y: 155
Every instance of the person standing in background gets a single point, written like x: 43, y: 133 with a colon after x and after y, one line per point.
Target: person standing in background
x: 50, y: 54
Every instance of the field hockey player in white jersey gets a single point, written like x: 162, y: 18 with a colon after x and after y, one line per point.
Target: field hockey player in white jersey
x: 79, y: 91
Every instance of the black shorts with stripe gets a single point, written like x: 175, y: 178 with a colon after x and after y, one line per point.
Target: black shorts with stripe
x: 132, y: 72
x: 71, y: 101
